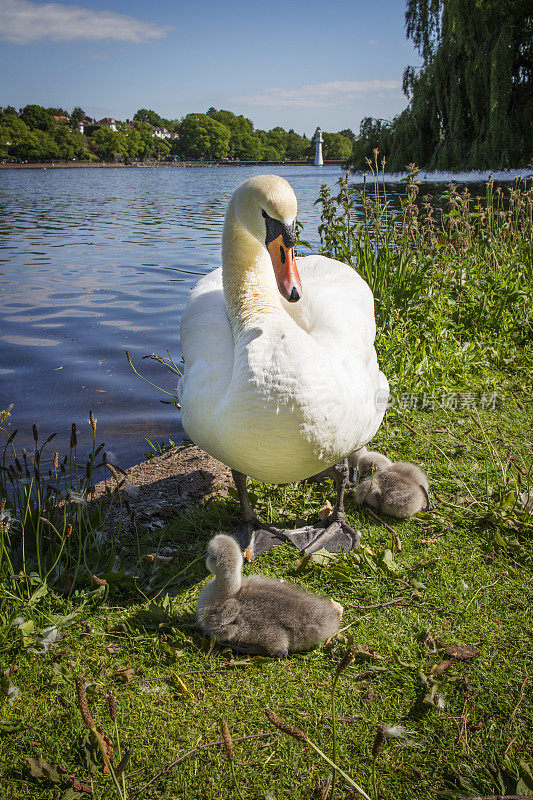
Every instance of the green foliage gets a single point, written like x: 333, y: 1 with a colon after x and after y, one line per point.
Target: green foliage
x: 461, y: 273
x: 78, y: 115
x: 157, y: 448
x: 149, y: 116
x: 336, y: 146
x: 109, y: 145
x: 200, y: 136
x: 470, y: 103
x: 37, y: 118
x: 217, y: 134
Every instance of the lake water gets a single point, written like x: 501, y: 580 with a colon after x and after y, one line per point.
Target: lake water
x: 97, y: 261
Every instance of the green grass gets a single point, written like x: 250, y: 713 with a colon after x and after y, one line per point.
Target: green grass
x: 474, y: 593
x: 463, y: 575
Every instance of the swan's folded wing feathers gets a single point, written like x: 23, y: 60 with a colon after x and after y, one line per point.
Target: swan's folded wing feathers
x: 205, y: 329
x: 337, y: 306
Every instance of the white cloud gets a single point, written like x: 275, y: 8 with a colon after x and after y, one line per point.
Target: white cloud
x: 23, y: 22
x: 315, y: 95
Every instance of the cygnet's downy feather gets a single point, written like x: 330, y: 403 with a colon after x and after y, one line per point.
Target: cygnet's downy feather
x: 257, y: 614
x: 398, y: 489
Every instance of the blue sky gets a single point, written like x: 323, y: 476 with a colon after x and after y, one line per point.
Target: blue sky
x: 297, y: 64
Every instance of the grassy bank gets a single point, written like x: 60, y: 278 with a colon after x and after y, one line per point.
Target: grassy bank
x: 453, y: 294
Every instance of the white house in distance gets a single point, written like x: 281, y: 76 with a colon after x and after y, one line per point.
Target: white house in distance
x: 162, y: 133
x: 84, y: 123
x: 108, y: 122
x: 113, y: 125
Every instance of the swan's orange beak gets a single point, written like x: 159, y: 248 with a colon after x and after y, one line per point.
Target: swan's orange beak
x: 284, y: 263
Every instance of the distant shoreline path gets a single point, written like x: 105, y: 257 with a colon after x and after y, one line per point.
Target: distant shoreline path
x: 141, y: 165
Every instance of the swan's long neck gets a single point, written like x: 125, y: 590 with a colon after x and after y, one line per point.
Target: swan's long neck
x: 227, y: 584
x: 248, y: 278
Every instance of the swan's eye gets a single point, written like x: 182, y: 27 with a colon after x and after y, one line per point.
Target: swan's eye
x: 275, y: 228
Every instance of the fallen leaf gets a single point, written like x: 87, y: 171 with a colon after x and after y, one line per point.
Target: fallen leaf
x: 462, y: 652
x: 39, y: 768
x: 124, y: 675
x: 13, y: 693
x: 42, y: 642
x: 440, y: 669
x: 388, y: 563
x: 108, y: 748
x: 364, y: 653
x: 80, y: 787
x: 113, y: 648
x: 181, y: 685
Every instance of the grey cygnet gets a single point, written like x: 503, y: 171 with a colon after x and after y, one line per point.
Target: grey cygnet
x: 399, y: 490
x: 258, y: 615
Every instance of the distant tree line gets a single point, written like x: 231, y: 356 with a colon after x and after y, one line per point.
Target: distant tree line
x: 471, y: 102
x: 44, y: 134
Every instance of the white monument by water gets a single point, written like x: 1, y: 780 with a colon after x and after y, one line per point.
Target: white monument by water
x: 319, y: 161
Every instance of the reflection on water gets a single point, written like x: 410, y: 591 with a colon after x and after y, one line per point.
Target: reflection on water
x: 94, y: 262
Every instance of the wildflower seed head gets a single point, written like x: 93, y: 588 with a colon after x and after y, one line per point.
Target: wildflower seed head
x: 92, y: 420
x: 113, y: 472
x: 379, y: 741
x: 68, y: 531
x: 345, y: 661
x: 5, y: 413
x: 112, y: 706
x: 73, y: 436
x: 83, y: 704
x: 35, y: 433
x: 56, y: 460
x: 291, y: 730
x: 228, y: 742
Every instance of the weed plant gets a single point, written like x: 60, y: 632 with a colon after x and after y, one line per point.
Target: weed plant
x: 426, y: 692
x: 452, y: 281
x: 50, y: 525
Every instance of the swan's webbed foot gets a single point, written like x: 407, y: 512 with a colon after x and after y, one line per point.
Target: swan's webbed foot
x: 333, y: 534
x: 256, y: 537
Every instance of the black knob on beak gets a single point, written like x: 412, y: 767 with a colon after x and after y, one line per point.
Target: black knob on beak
x: 294, y: 295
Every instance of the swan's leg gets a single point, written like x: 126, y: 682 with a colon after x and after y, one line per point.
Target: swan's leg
x: 253, y: 534
x: 334, y: 533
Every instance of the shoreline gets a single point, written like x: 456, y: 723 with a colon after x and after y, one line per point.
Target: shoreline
x: 147, y: 164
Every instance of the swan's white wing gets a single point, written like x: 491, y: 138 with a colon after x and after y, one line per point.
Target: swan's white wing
x: 208, y: 352
x: 336, y: 307
x: 205, y: 329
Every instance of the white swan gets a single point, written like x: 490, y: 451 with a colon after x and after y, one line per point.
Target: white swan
x: 281, y: 378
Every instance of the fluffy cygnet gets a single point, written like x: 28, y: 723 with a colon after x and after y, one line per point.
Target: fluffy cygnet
x: 259, y: 615
x: 399, y: 490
